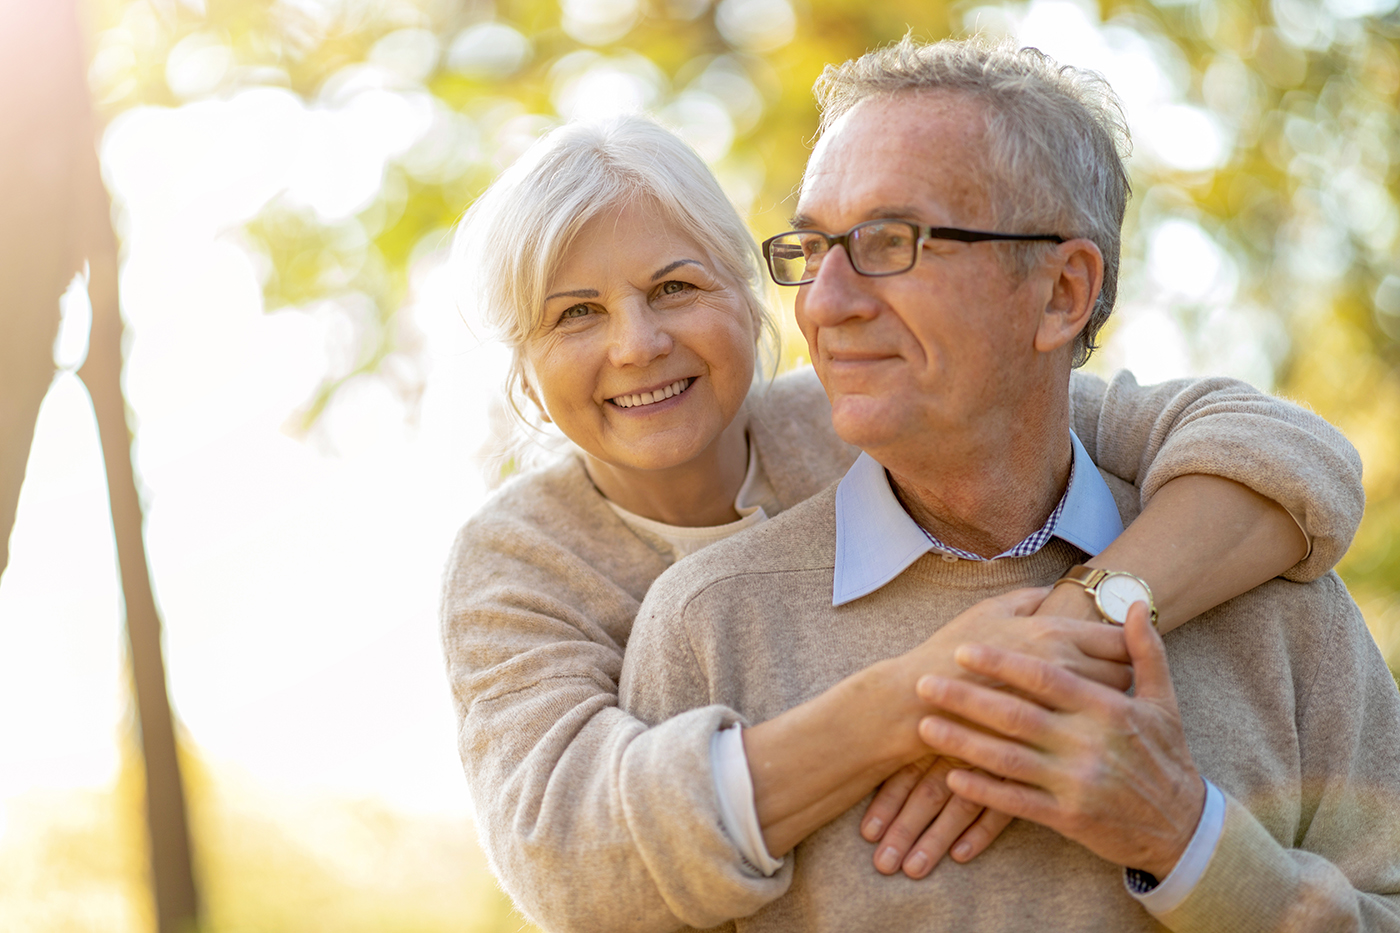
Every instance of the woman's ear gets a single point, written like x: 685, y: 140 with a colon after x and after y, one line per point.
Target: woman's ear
x: 529, y: 391
x: 1077, y: 267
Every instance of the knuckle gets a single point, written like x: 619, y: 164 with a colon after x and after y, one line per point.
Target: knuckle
x: 900, y: 836
x: 929, y: 790
x: 1021, y: 720
x: 1040, y: 677
x: 1006, y: 761
x: 1119, y: 717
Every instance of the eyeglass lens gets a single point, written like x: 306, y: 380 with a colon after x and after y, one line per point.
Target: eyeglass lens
x: 878, y: 247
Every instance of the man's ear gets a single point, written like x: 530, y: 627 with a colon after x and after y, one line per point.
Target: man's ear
x: 1077, y: 267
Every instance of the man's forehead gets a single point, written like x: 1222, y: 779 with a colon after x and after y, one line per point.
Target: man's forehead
x: 902, y: 156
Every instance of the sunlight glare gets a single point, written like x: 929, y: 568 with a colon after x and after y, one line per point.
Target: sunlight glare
x: 70, y: 347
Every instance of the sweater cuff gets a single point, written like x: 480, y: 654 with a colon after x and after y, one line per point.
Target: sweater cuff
x: 1247, y: 887
x: 738, y: 810
x: 673, y: 813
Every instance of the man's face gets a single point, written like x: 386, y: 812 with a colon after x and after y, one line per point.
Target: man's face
x: 947, y: 346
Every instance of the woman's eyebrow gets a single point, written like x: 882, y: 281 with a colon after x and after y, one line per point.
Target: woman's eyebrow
x: 673, y: 267
x: 576, y: 293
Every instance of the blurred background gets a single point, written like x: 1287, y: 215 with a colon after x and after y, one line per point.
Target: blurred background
x: 307, y: 404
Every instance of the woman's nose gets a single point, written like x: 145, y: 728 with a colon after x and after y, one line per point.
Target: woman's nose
x: 639, y: 336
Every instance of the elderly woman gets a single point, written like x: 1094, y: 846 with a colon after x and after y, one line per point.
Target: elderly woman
x: 627, y: 286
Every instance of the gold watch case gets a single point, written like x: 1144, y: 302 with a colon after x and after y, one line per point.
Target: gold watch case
x: 1114, y: 591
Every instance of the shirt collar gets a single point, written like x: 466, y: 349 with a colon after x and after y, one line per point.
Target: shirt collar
x: 876, y: 539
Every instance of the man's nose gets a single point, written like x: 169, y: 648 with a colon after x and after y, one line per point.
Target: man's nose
x: 637, y: 335
x: 837, y: 295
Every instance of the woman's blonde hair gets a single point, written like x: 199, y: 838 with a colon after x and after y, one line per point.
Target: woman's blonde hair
x: 510, y: 242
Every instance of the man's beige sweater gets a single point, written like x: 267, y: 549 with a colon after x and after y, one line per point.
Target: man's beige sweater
x: 1287, y: 704
x: 587, y: 816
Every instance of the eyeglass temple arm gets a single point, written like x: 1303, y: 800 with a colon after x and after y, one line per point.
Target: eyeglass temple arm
x: 979, y: 236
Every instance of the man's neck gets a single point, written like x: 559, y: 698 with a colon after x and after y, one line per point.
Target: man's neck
x: 990, y: 496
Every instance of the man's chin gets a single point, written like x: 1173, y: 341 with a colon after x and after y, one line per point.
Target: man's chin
x: 866, y: 422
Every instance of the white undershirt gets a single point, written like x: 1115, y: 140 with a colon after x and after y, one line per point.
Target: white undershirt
x: 755, y: 501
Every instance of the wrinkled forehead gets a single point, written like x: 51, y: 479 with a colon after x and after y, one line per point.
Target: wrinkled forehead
x: 915, y: 155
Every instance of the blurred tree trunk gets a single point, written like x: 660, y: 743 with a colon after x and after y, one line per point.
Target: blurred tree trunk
x: 56, y: 214
x: 38, y: 216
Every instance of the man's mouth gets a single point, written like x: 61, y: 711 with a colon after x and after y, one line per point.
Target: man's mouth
x: 638, y: 399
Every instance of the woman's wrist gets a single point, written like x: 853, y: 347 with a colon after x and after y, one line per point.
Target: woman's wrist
x: 1071, y: 602
x: 871, y: 716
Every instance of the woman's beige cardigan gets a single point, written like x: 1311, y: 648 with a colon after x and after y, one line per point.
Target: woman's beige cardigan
x: 578, y: 804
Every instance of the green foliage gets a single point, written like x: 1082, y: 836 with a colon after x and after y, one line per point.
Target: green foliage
x: 1306, y: 203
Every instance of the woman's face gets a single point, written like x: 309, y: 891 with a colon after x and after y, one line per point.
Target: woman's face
x: 646, y: 350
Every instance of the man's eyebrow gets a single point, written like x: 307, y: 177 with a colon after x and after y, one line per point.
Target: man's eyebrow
x: 576, y: 293
x: 880, y: 212
x: 673, y: 267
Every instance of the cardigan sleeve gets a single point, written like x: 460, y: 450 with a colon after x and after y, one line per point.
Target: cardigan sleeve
x: 1341, y: 868
x: 584, y: 812
x: 1149, y: 435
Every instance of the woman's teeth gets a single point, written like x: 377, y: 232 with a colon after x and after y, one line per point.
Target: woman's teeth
x: 649, y: 398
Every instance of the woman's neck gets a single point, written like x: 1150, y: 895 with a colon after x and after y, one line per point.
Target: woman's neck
x: 694, y: 494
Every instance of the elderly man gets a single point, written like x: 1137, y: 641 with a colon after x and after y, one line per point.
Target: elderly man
x: 956, y: 252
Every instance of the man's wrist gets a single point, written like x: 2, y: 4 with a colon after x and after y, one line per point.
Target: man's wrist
x: 1196, y: 808
x: 1163, y: 895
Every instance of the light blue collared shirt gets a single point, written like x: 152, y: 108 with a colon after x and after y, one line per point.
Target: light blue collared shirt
x: 876, y: 539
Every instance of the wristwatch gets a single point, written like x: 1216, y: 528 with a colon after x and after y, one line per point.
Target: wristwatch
x: 1113, y: 591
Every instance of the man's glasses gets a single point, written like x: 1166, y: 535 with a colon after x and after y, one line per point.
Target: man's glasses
x: 875, y: 247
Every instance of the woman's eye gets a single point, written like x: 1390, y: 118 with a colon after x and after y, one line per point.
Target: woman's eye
x: 673, y: 287
x: 574, y: 312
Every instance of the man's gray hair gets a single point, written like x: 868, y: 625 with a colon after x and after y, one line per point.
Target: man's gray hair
x: 1055, y: 134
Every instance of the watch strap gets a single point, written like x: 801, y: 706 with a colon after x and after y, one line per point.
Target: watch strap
x: 1091, y: 577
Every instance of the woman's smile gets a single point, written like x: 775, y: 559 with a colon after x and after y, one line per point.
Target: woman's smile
x: 648, y: 398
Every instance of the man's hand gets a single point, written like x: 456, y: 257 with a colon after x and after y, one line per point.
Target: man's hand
x: 1108, y: 771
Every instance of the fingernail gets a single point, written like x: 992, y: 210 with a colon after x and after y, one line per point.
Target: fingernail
x: 918, y: 864
x: 926, y: 686
x: 962, y: 850
x: 888, y: 860
x: 873, y: 827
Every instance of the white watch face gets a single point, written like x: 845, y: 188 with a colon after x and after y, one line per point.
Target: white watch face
x: 1117, y: 591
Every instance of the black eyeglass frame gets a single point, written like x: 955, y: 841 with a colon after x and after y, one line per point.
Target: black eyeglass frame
x: 922, y: 233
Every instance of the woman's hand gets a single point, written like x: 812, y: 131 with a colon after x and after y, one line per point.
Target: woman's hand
x: 915, y: 819
x: 1092, y: 650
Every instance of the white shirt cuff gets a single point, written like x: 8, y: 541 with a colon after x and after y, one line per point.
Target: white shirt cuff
x: 1167, y: 895
x: 734, y: 788
x: 1306, y: 537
